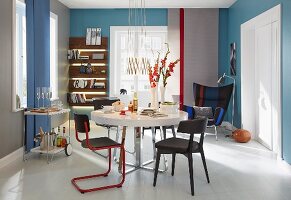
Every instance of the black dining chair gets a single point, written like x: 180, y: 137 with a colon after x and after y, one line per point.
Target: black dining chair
x: 165, y: 128
x: 184, y: 146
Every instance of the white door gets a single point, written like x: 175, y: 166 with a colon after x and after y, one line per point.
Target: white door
x: 263, y: 84
x: 261, y: 78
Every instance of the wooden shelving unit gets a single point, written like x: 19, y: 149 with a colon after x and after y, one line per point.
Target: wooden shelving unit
x: 99, y: 67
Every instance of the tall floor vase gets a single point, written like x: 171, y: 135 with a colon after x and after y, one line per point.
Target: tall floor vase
x: 154, y: 98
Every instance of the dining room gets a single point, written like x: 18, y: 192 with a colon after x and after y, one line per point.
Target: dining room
x: 145, y: 99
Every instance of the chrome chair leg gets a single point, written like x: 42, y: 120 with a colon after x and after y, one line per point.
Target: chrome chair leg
x: 116, y: 139
x: 215, y: 130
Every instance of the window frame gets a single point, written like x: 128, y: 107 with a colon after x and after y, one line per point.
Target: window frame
x: 113, y: 76
x: 56, y: 76
x: 14, y: 57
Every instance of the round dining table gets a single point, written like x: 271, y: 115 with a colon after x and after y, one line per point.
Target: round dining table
x: 137, y: 121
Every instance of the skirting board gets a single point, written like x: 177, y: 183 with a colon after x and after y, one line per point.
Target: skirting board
x: 14, y: 156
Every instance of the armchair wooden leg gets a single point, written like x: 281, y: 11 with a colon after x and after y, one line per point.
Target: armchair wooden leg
x: 204, y: 164
x: 173, y: 163
x: 157, y: 168
x: 190, y: 161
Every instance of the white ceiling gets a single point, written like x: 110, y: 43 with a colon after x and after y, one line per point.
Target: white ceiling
x: 149, y: 3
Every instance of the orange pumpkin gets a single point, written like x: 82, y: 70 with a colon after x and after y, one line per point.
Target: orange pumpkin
x: 241, y: 135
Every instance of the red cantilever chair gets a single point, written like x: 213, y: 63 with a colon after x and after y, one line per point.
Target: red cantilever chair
x: 82, y: 125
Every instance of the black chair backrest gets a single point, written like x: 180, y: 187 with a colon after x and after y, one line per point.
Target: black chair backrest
x: 106, y: 101
x: 80, y: 120
x: 194, y: 126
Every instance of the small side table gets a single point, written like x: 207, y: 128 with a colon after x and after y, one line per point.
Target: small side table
x: 67, y: 149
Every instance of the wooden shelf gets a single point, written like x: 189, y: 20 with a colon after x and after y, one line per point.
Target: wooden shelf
x: 79, y: 61
x: 80, y: 43
x: 74, y: 70
x: 81, y: 90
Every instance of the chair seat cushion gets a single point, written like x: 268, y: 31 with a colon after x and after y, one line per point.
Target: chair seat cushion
x: 178, y: 145
x: 99, y: 142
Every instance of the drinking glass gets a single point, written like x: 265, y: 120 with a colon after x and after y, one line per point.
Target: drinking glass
x: 48, y: 95
x: 38, y: 95
x: 43, y: 92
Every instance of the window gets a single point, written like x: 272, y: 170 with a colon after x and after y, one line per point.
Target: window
x: 19, y: 57
x: 54, y: 55
x: 155, y: 42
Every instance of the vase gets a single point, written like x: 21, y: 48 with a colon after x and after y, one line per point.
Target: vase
x: 154, y: 98
x: 162, y: 92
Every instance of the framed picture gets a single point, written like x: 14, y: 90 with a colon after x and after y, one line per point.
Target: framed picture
x: 93, y: 36
x: 232, y: 59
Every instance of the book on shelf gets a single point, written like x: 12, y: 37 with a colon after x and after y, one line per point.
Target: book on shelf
x: 76, y: 98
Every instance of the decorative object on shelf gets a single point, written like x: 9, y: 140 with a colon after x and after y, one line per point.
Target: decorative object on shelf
x: 80, y: 83
x: 98, y: 56
x: 232, y: 59
x: 89, y: 69
x: 84, y: 57
x: 221, y: 80
x: 82, y: 69
x: 76, y: 98
x: 241, y: 135
x: 103, y: 71
x: 97, y: 85
x: 88, y: 36
x: 93, y: 36
x: 98, y: 36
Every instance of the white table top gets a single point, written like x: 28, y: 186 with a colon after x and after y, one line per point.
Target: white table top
x: 136, y: 120
x: 48, y: 113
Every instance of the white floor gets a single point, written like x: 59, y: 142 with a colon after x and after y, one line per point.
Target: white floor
x: 237, y: 171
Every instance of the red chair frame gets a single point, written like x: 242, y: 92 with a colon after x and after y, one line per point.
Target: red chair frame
x: 118, y: 185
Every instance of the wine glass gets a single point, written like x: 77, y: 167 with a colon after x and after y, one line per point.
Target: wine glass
x: 43, y: 91
x: 38, y: 95
x: 48, y: 95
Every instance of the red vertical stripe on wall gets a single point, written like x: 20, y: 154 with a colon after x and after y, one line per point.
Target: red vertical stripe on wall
x: 181, y: 57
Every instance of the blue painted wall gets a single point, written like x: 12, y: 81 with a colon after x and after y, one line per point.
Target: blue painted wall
x: 80, y: 19
x: 223, y: 56
x: 242, y: 11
